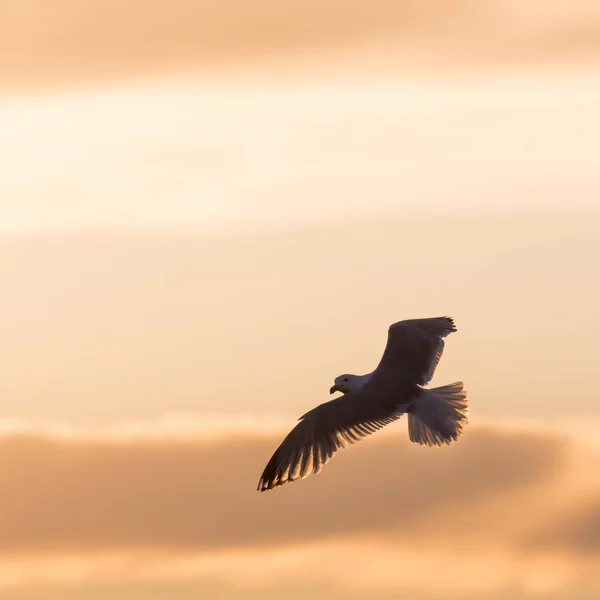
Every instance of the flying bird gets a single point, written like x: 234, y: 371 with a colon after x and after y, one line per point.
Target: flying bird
x: 368, y: 402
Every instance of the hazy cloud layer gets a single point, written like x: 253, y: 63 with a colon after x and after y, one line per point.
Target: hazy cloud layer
x: 51, y: 41
x: 576, y: 531
x: 238, y: 154
x: 382, y: 514
x: 74, y: 494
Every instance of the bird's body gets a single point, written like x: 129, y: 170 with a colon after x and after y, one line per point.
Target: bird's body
x: 371, y: 401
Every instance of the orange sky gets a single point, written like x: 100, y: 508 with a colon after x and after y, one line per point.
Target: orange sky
x: 508, y: 510
x: 209, y: 210
x: 60, y: 41
x: 262, y: 321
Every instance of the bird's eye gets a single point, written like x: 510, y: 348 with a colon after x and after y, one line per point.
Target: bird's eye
x: 345, y: 379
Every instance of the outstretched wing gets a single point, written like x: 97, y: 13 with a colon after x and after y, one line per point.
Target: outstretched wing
x: 323, y: 431
x: 415, y: 346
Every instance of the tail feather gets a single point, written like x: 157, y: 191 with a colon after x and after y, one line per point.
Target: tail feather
x: 439, y: 415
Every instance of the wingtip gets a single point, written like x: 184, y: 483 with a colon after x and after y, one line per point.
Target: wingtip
x: 452, y: 323
x: 265, y: 485
x: 262, y: 487
x: 449, y: 326
x: 269, y: 478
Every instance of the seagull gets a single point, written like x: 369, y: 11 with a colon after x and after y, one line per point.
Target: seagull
x: 368, y: 402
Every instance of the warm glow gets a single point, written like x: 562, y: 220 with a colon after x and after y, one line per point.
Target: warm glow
x: 210, y: 209
x: 206, y: 155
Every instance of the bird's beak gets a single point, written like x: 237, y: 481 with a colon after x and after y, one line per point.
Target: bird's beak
x: 334, y: 388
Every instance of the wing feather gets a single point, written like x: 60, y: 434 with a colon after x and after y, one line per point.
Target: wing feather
x: 323, y: 431
x: 415, y: 346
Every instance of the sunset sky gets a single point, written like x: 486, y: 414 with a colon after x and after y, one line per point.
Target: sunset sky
x: 208, y: 210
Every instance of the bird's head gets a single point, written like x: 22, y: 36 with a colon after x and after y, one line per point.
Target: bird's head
x: 347, y: 383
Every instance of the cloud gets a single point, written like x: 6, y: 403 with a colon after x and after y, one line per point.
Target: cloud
x: 575, y: 530
x: 183, y: 508
x: 201, y: 495
x: 106, y: 39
